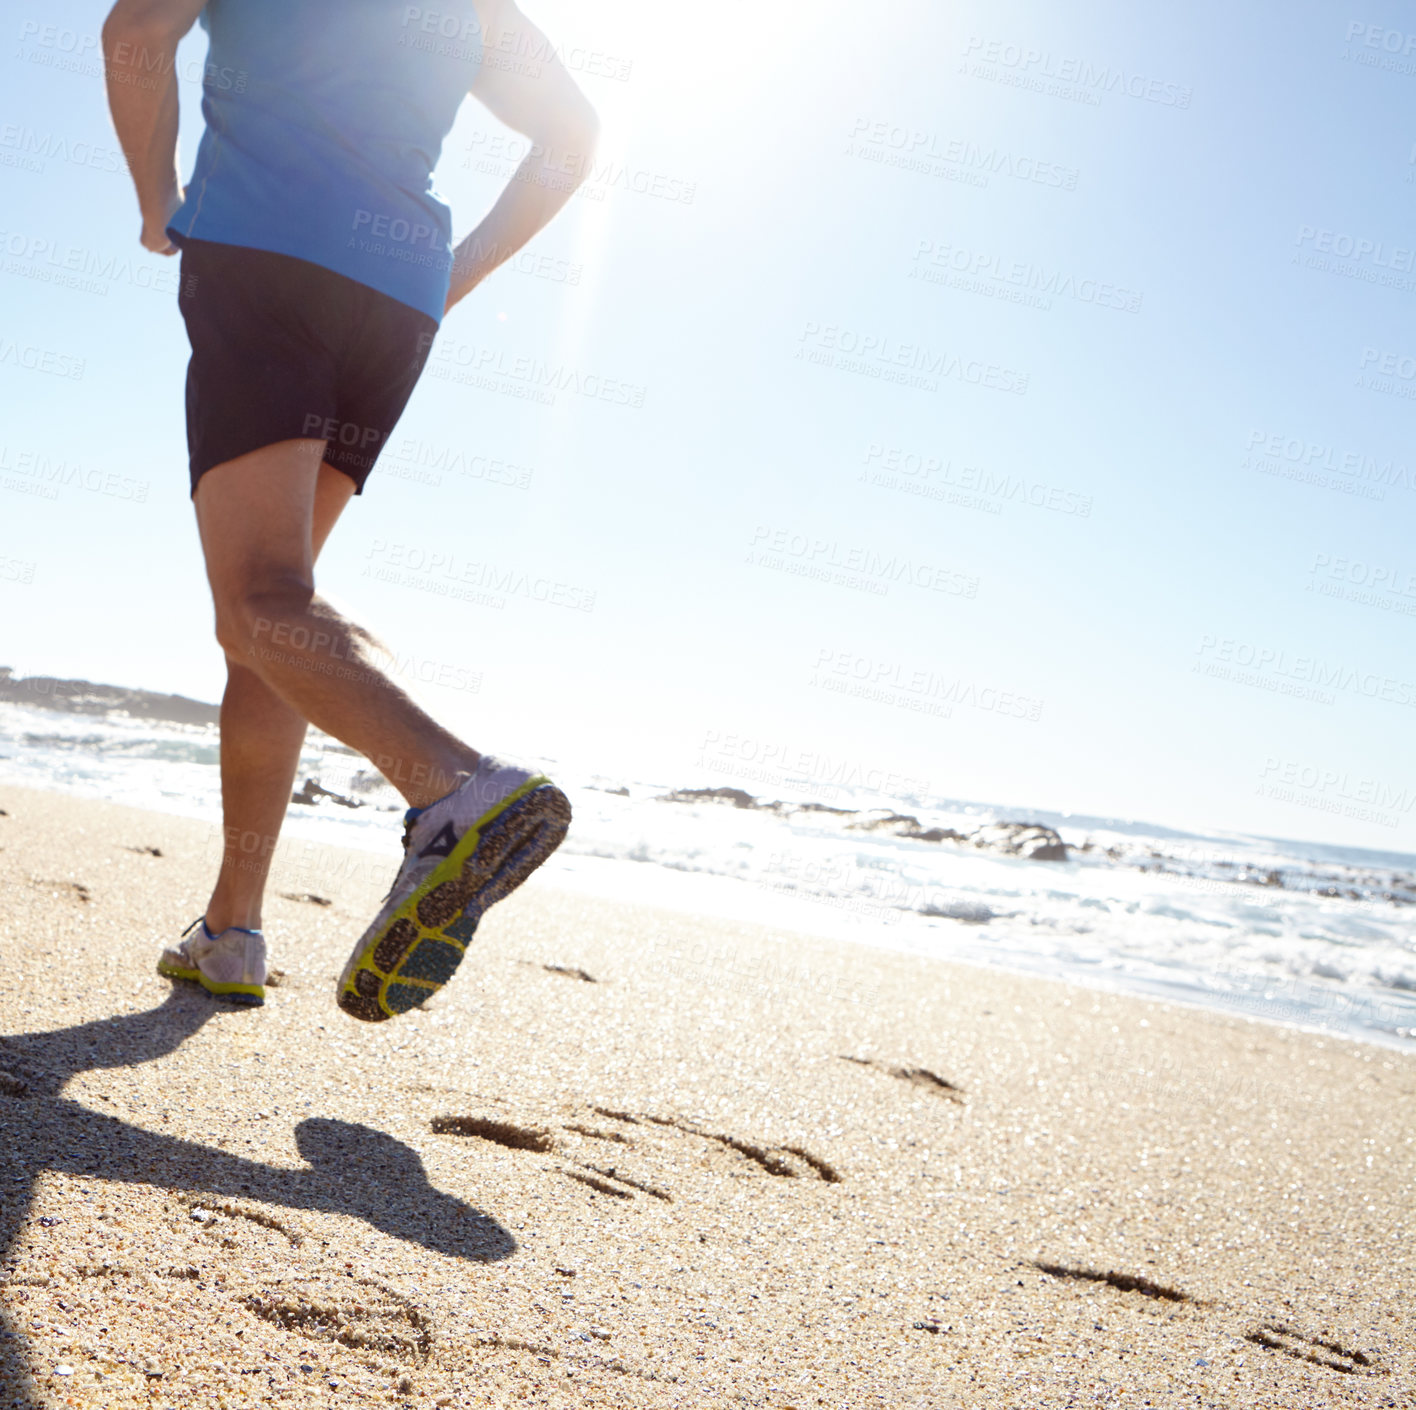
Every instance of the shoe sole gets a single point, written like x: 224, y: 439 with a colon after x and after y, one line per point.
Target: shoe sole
x: 417, y: 950
x: 249, y: 995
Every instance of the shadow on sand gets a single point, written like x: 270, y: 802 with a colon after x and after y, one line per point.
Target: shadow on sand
x: 354, y: 1169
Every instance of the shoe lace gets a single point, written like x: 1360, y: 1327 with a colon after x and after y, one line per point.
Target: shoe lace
x: 408, y: 825
x: 182, y: 939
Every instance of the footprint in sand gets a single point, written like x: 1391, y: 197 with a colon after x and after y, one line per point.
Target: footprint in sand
x: 68, y: 890
x: 1272, y: 1336
x: 569, y: 971
x: 501, y: 1133
x: 598, y: 1134
x: 606, y: 1188
x: 1275, y: 1336
x: 212, y: 1215
x: 915, y: 1076
x: 791, y: 1162
x: 673, y: 1141
x: 540, y: 1141
x: 359, y: 1313
x: 1122, y: 1282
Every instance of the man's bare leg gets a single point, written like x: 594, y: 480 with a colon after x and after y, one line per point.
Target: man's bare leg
x: 256, y: 519
x: 260, y: 751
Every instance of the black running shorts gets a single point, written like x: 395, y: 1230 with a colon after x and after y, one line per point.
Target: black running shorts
x: 283, y: 350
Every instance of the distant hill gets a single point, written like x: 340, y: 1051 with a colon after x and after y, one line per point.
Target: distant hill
x: 87, y: 698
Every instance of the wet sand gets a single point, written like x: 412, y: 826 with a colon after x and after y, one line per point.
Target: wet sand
x: 635, y: 1158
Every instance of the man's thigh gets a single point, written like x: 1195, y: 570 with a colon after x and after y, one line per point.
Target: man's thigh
x: 264, y: 517
x: 333, y: 491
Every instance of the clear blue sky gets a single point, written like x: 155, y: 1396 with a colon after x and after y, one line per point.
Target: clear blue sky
x: 814, y: 250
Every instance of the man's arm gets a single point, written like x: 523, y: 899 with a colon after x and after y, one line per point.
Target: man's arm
x: 140, y: 39
x: 550, y: 110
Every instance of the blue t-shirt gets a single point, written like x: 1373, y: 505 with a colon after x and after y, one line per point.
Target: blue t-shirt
x: 324, y: 120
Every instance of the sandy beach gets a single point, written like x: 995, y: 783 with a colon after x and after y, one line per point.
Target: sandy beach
x: 637, y: 1158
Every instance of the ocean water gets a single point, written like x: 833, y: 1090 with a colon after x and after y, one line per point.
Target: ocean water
x: 1317, y: 936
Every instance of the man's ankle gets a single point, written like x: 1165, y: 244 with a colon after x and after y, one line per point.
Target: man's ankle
x: 441, y: 783
x: 221, y: 917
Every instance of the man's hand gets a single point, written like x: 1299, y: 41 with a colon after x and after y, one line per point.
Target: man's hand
x: 154, y: 233
x: 546, y: 107
x: 140, y: 39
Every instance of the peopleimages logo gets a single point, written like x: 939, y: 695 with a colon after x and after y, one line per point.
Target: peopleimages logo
x: 440, y: 460
x: 1042, y: 64
x: 1385, y: 586
x: 1308, y: 677
x: 1379, y: 47
x: 890, y: 467
x: 1356, y: 257
x: 939, y: 261
x: 411, y: 565
x: 38, y: 147
x: 1376, y: 36
x: 443, y: 23
x: 1390, y: 373
x: 1383, y: 577
x: 33, y: 358
x: 501, y: 154
x: 495, y: 369
x: 803, y: 555
x: 1389, y: 364
x: 396, y: 229
x: 786, y: 761
x: 1356, y: 248
x: 458, y: 35
x: 1339, y: 784
x: 1275, y: 452
x: 916, y: 149
x: 44, y: 471
x: 907, y: 364
x: 16, y: 570
x: 907, y: 687
x: 66, y: 50
x: 71, y: 266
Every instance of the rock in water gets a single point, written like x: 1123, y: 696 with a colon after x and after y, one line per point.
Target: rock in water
x: 738, y: 797
x: 312, y: 791
x: 904, y: 825
x: 1015, y: 839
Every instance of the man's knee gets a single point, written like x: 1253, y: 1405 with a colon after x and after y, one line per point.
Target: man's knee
x: 265, y: 618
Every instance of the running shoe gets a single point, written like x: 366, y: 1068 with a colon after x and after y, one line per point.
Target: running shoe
x: 461, y: 855
x: 231, y: 965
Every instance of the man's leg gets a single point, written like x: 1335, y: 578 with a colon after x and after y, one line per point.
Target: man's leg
x: 260, y: 750
x: 256, y: 519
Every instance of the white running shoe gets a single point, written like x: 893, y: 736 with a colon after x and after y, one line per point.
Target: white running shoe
x: 231, y: 965
x: 460, y: 855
